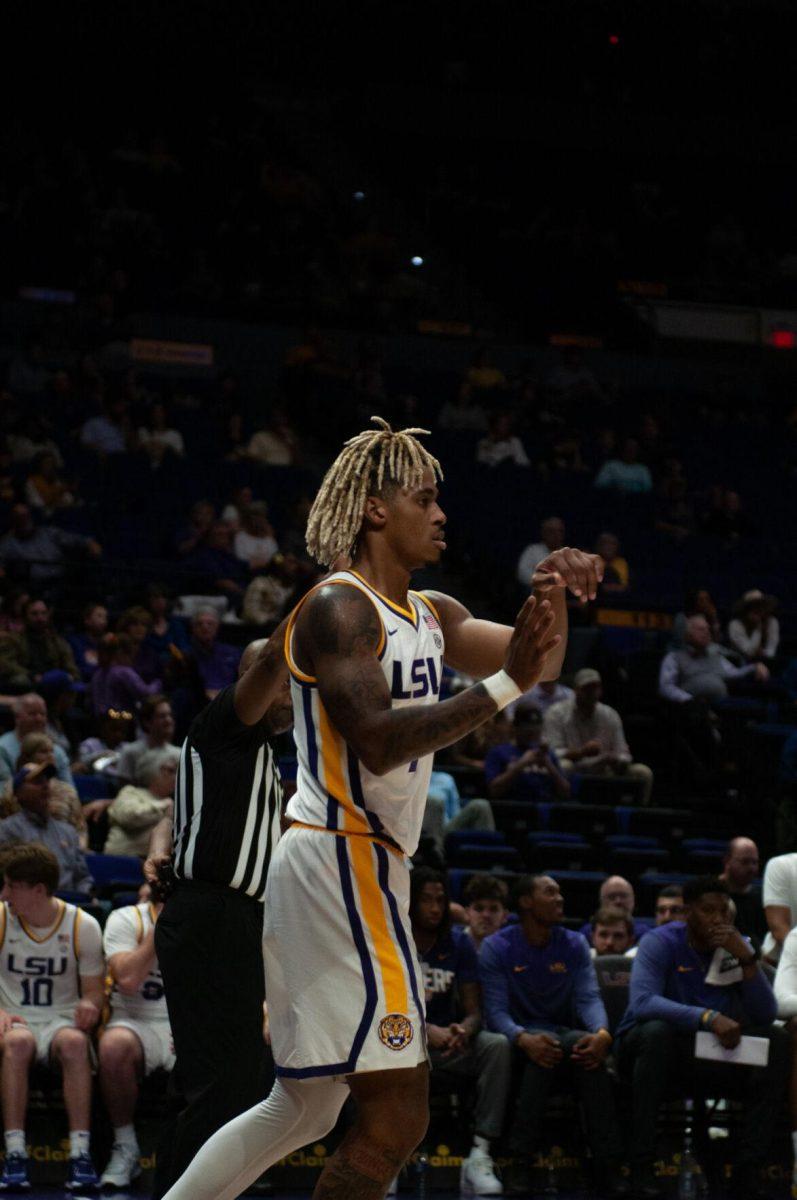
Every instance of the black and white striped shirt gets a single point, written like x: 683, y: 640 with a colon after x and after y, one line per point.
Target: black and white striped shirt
x: 228, y: 801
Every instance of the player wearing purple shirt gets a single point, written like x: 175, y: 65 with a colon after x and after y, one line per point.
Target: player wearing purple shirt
x: 541, y: 992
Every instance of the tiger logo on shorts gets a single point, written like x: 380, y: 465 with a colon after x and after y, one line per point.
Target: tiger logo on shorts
x: 395, y: 1031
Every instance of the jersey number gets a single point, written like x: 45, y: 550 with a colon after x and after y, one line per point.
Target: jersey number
x: 37, y: 992
x: 152, y: 990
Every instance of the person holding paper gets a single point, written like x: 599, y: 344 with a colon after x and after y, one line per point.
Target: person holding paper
x: 692, y: 976
x: 786, y: 996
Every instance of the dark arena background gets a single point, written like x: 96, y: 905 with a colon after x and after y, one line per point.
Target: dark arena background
x: 561, y: 236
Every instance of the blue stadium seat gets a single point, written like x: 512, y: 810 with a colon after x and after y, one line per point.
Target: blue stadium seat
x: 580, y: 890
x: 487, y: 858
x: 633, y: 841
x: 590, y: 821
x: 570, y: 855
x: 115, y: 872
x: 633, y: 861
x: 554, y: 836
x: 473, y: 837
x: 516, y: 816
x: 94, y: 787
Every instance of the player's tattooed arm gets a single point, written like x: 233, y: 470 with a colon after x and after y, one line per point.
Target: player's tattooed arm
x: 338, y: 638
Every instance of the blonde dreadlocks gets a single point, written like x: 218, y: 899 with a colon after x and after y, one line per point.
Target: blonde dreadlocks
x: 365, y: 464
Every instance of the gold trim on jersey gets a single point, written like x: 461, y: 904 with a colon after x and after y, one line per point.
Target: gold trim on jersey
x: 331, y: 746
x: 140, y: 920
x: 410, y: 613
x: 369, y: 835
x: 76, y: 933
x: 50, y: 932
x: 426, y: 600
x: 295, y: 670
x: 3, y: 924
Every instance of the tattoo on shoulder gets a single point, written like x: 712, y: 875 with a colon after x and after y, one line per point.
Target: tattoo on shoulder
x: 341, y: 621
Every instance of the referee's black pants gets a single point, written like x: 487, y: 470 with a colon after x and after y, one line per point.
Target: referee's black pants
x: 209, y: 945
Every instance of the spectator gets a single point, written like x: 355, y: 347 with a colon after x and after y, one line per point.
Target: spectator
x: 754, y: 631
x: 45, y: 490
x: 136, y: 624
x: 570, y: 380
x: 670, y: 904
x: 726, y: 518
x: 100, y: 753
x: 740, y: 871
x: 612, y: 932
x: 136, y: 811
x: 239, y: 501
x: 626, y: 473
x: 780, y: 901
x: 255, y: 543
x: 587, y: 736
x: 277, y: 445
x: 541, y: 992
x: 115, y: 684
x: 157, y: 437
x: 63, y: 798
x: 12, y: 608
x: 193, y: 534
x: 616, y: 575
x: 455, y: 1038
x: 484, y: 899
x: 50, y: 1007
x: 481, y: 375
x: 41, y: 552
x: 616, y: 892
x: 698, y: 602
x: 216, y: 662
x: 30, y: 716
x: 25, y: 657
x: 85, y: 645
x: 274, y: 592
x: 110, y: 432
x: 676, y: 990
x: 216, y: 567
x: 552, y: 537
x: 542, y: 696
x: 525, y: 768
x: 33, y: 823
x: 137, y: 1039
x: 501, y: 445
x: 472, y: 751
x: 465, y: 414
x: 700, y: 671
x: 675, y: 513
x: 168, y: 634
x: 445, y: 811
x: 157, y: 723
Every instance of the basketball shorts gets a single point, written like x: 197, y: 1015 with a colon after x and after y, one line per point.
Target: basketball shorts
x: 155, y: 1038
x: 343, y: 983
x: 44, y: 1033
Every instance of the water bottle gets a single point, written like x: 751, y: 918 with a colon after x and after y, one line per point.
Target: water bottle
x: 421, y: 1174
x: 689, y: 1173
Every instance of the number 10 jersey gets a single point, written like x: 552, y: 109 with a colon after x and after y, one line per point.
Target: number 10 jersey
x: 40, y: 969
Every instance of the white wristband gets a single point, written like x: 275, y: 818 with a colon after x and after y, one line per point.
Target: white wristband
x: 501, y: 688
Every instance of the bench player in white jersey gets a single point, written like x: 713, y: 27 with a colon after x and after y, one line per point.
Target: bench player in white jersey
x: 137, y: 1039
x: 52, y: 977
x: 366, y: 654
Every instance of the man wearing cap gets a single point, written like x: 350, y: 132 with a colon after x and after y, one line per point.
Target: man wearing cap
x: 588, y: 736
x: 30, y: 713
x: 33, y: 823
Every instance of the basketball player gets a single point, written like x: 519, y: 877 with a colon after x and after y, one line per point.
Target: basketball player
x: 137, y: 1039
x: 366, y: 656
x: 52, y: 976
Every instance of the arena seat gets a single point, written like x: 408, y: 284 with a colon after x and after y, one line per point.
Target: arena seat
x: 580, y: 890
x: 114, y: 872
x: 599, y: 789
x: 516, y: 816
x: 487, y: 857
x: 589, y: 820
x: 94, y: 787
x: 572, y: 855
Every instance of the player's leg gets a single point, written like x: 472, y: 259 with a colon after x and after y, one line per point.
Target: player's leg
x: 295, y: 1113
x: 121, y: 1069
x: 19, y: 1049
x: 70, y: 1048
x: 392, y: 1117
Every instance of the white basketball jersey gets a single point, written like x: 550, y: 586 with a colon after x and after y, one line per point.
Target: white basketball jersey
x: 334, y: 789
x: 40, y: 969
x: 124, y: 931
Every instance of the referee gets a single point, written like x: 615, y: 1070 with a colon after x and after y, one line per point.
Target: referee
x: 208, y: 937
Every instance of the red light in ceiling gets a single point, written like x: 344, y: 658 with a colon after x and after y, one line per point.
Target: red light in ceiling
x: 614, y: 39
x: 783, y: 339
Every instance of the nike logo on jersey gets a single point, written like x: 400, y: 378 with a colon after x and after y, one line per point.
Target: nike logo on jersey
x: 390, y: 632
